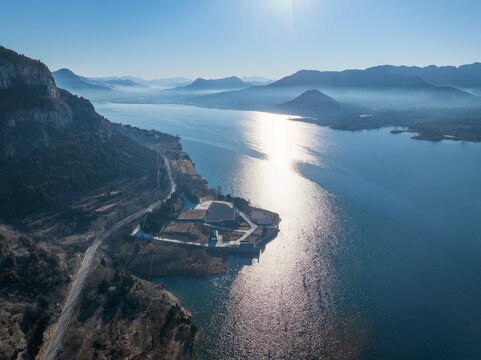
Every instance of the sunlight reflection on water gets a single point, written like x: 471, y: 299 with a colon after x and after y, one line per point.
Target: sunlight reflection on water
x: 378, y: 251
x: 288, y: 303
x: 288, y: 299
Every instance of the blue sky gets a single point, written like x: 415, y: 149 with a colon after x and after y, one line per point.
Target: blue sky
x: 215, y: 38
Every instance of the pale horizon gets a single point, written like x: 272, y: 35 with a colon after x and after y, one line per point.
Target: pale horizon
x: 220, y: 76
x: 214, y: 39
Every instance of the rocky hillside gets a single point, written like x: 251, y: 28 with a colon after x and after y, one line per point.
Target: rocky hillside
x: 123, y: 317
x: 53, y: 144
x: 32, y: 280
x: 118, y: 316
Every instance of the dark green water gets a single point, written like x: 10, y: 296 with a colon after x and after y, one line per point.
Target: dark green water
x: 379, y: 250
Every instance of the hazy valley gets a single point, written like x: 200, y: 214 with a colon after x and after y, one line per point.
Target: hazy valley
x: 434, y: 102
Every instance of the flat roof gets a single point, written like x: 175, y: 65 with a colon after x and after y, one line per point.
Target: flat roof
x: 219, y: 212
x: 179, y: 227
x: 192, y: 214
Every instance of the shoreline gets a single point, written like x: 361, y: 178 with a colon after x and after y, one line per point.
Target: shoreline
x: 425, y: 124
x: 211, y: 260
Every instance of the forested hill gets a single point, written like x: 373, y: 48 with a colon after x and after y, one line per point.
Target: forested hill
x: 53, y: 143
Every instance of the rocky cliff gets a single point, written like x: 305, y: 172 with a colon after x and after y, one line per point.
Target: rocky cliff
x: 53, y: 143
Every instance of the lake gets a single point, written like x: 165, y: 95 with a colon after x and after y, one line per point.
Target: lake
x: 379, y: 250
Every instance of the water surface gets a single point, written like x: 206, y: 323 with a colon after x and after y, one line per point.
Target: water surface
x: 378, y: 255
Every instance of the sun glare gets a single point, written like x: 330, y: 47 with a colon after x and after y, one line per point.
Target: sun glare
x: 283, y: 5
x: 279, y: 139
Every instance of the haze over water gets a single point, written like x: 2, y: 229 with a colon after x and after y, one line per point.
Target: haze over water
x: 378, y: 255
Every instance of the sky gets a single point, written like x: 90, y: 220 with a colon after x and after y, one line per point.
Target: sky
x: 216, y: 38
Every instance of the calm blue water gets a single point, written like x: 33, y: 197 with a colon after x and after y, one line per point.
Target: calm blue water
x: 379, y: 253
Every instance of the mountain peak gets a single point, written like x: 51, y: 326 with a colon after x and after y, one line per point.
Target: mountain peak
x: 311, y: 103
x: 315, y: 94
x: 67, y: 79
x: 65, y: 71
x: 368, y: 79
x: 231, y: 82
x: 18, y: 71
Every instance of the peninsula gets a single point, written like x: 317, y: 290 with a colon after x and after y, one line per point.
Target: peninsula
x: 197, y: 216
x: 73, y: 279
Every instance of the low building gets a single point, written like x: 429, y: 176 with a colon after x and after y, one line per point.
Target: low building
x: 196, y: 215
x: 177, y: 228
x: 220, y: 214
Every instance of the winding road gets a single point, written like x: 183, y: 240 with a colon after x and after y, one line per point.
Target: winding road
x: 76, y: 288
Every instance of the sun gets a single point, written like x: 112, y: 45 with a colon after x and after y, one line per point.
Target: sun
x: 283, y: 5
x: 283, y: 9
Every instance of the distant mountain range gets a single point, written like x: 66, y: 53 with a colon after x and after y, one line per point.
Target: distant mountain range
x: 53, y: 143
x: 373, y: 87
x: 366, y: 79
x: 67, y: 79
x: 308, y: 93
x: 257, y: 80
x: 464, y: 76
x: 123, y: 82
x: 167, y: 82
x: 389, y: 76
x: 228, y: 83
x: 162, y: 83
x: 125, y: 87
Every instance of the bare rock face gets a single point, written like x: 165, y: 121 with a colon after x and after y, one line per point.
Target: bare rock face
x: 34, y: 113
x: 15, y: 69
x: 7, y: 74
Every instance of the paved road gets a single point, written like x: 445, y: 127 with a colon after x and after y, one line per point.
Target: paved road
x: 72, y: 298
